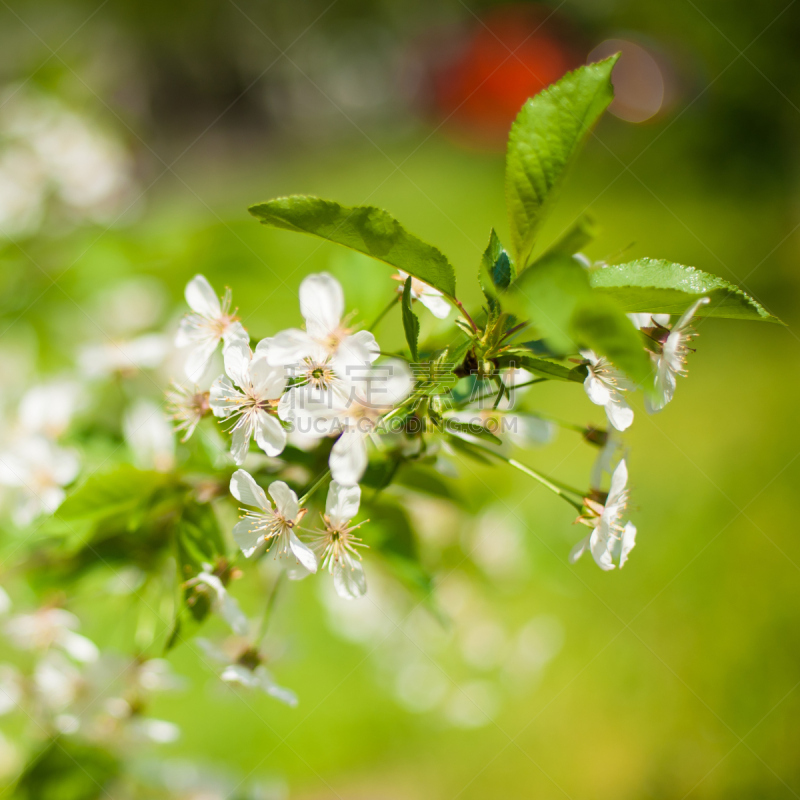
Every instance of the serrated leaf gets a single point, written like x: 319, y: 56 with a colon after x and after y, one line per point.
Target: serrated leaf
x: 366, y: 229
x: 544, y: 139
x: 410, y: 322
x: 599, y: 324
x: 662, y: 287
x: 496, y: 265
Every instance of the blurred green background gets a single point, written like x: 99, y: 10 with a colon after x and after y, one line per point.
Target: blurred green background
x: 676, y: 677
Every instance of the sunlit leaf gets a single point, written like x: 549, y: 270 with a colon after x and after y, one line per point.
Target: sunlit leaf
x: 367, y: 229
x: 410, y: 322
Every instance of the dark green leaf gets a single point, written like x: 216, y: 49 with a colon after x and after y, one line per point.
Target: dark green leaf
x: 410, y: 321
x: 472, y: 429
x: 496, y: 265
x: 517, y: 357
x: 662, y: 287
x: 544, y: 138
x: 364, y: 228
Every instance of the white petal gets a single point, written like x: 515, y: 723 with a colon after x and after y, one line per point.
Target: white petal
x: 270, y: 434
x: 235, y: 331
x: 79, y: 647
x: 287, y: 348
x: 619, y: 413
x: 230, y: 611
x: 240, y: 442
x: 689, y: 313
x: 598, y: 392
x: 601, y: 550
x: 436, y: 304
x: 302, y: 553
x: 236, y: 673
x: 349, y: 580
x: 246, y: 537
x: 321, y: 304
x: 268, y: 381
x: 389, y: 383
x: 202, y: 298
x: 578, y: 550
x: 342, y: 503
x: 627, y: 543
x: 237, y: 361
x: 211, y: 650
x: 223, y: 397
x: 199, y: 357
x: 247, y: 491
x: 366, y: 340
x: 619, y: 481
x: 348, y: 459
x: 285, y: 500
x: 269, y: 686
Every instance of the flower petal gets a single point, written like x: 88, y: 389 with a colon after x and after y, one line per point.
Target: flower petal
x: 198, y: 358
x: 247, y: 537
x: 578, y: 550
x: 285, y: 500
x: 247, y: 491
x: 598, y: 392
x: 436, y: 304
x: 237, y: 357
x: 619, y: 413
x: 349, y: 580
x: 321, y: 304
x: 302, y: 553
x: 601, y: 552
x: 367, y: 341
x: 287, y: 348
x: 240, y: 441
x: 270, y: 434
x: 348, y: 459
x: 268, y: 381
x: 202, y: 298
x: 619, y: 480
x: 268, y: 685
x: 223, y: 397
x: 627, y: 543
x: 342, y: 503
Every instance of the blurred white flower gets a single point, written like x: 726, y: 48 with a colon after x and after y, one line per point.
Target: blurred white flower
x: 211, y: 323
x: 326, y: 355
x: 266, y: 523
x: 431, y: 298
x: 608, y: 537
x: 22, y: 192
x: 336, y: 546
x: 50, y: 627
x: 12, y: 689
x: 671, y: 361
x: 57, y: 681
x: 222, y: 603
x: 647, y: 320
x: 48, y: 408
x: 36, y: 470
x: 186, y: 407
x: 252, y: 406
x: 123, y: 357
x: 606, y: 386
x: 149, y: 436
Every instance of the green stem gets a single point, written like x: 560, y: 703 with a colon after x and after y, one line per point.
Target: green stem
x: 395, y: 300
x: 555, y: 487
x: 503, y: 389
x: 509, y: 389
x: 322, y: 478
x: 467, y: 317
x: 262, y: 630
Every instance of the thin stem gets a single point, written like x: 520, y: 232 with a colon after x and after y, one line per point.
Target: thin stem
x: 503, y: 389
x: 512, y: 331
x: 262, y: 629
x: 555, y: 487
x: 467, y: 317
x: 322, y: 478
x: 508, y: 389
x: 394, y: 301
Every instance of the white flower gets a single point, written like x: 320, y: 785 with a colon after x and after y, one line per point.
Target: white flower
x: 671, y: 362
x: 186, y: 407
x: 123, y: 357
x: 48, y: 408
x: 253, y: 404
x: 50, y: 627
x: 371, y: 398
x: 37, y: 470
x: 247, y: 670
x: 431, y: 298
x: 608, y: 537
x: 648, y: 320
x: 326, y: 356
x: 210, y: 323
x: 266, y: 523
x: 336, y: 545
x: 222, y: 602
x: 606, y: 386
x: 149, y: 436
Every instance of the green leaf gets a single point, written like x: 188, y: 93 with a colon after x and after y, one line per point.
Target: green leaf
x: 496, y: 264
x: 517, y: 357
x: 114, y: 492
x: 547, y: 294
x: 410, y: 321
x: 544, y: 138
x: 598, y: 323
x: 662, y: 287
x: 367, y: 229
